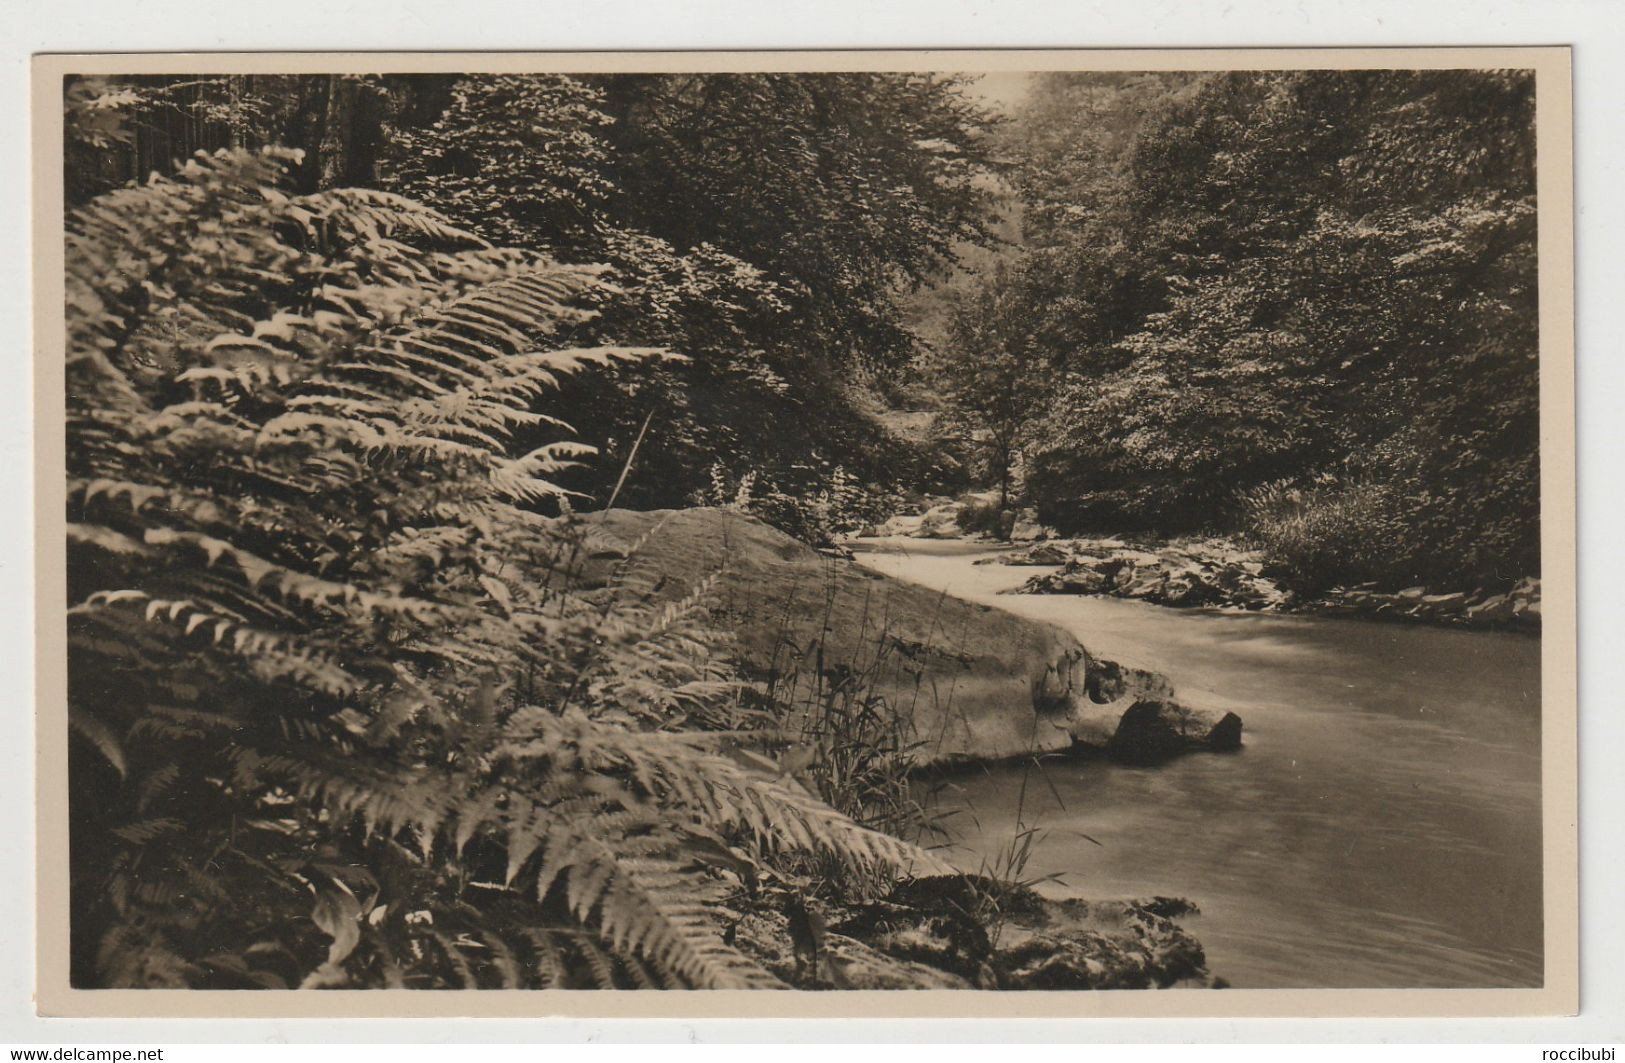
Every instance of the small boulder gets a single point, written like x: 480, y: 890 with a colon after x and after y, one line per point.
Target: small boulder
x: 1141, y: 583
x: 839, y: 962
x: 1494, y: 609
x: 1154, y: 730
x: 1078, y: 581
x: 1045, y: 553
x: 940, y: 522
x: 1131, y: 715
x: 902, y: 525
x: 1189, y: 589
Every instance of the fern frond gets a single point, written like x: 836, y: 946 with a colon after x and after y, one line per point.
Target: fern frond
x: 716, y: 791
x: 521, y: 478
x: 105, y: 538
x: 368, y: 213
x: 646, y: 904
x: 317, y: 627
x: 100, y: 735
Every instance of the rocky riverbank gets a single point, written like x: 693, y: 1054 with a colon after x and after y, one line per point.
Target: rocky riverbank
x: 1189, y: 573
x: 1217, y: 573
x: 972, y: 932
x: 942, y: 518
x: 969, y: 685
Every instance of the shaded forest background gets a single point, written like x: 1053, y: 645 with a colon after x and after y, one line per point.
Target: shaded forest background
x: 1297, y: 306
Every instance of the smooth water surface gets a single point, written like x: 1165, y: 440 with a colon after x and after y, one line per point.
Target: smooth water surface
x: 1381, y: 827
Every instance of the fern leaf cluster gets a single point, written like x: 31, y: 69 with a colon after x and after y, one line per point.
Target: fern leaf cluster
x: 343, y: 717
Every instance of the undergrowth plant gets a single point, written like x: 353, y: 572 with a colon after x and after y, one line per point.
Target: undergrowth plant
x: 1001, y: 880
x: 815, y: 504
x: 845, y: 720
x: 1327, y: 533
x: 341, y: 716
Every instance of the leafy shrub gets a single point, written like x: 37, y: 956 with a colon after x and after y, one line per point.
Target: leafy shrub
x: 979, y: 516
x: 512, y: 156
x: 1328, y: 534
x: 343, y: 715
x: 858, y: 750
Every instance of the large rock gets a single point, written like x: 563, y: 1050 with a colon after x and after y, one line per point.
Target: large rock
x: 1133, y: 718
x: 1103, y: 945
x: 1044, y: 553
x: 972, y: 932
x: 1152, y: 730
x: 1000, y: 935
x: 969, y: 682
x: 903, y: 524
x: 940, y: 522
x: 839, y: 961
x: 1027, y: 529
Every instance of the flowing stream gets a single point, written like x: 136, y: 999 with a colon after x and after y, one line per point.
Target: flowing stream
x: 1381, y: 827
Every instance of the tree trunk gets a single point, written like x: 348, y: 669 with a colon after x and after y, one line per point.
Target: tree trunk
x: 305, y: 131
x: 338, y: 125
x: 235, y: 92
x: 352, y: 128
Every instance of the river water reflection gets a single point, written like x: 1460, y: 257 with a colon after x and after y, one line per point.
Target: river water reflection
x: 1381, y: 827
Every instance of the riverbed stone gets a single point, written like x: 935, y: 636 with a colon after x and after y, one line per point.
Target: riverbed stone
x: 1494, y: 608
x: 1217, y: 573
x: 1079, y: 581
x: 1150, y: 731
x: 1046, y: 553
x: 1027, y: 529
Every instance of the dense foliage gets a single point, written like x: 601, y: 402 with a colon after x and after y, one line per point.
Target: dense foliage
x: 848, y: 188
x: 763, y: 225
x: 993, y: 376
x: 1326, y: 278
x: 345, y: 713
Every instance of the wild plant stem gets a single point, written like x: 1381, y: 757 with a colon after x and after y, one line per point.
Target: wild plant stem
x: 626, y: 467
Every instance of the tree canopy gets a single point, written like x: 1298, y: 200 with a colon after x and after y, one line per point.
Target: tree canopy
x: 1326, y: 278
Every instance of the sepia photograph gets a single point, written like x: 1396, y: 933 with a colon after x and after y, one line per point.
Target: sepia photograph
x: 966, y: 522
